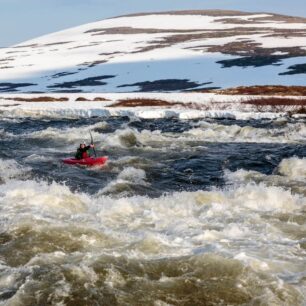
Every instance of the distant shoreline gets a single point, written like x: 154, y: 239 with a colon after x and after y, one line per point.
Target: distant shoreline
x: 184, y: 105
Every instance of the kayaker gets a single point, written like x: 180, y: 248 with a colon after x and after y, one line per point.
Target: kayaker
x: 82, y: 151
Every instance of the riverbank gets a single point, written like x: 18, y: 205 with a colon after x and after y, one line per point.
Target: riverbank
x: 189, y: 105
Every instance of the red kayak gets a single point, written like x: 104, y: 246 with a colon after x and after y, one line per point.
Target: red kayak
x: 89, y: 161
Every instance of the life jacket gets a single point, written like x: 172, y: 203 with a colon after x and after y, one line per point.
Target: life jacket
x: 85, y: 155
x: 82, y: 153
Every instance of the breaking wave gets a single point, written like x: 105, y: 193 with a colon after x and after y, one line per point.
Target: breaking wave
x: 10, y: 169
x: 126, y: 182
x: 164, y: 242
x: 224, y: 133
x: 294, y: 168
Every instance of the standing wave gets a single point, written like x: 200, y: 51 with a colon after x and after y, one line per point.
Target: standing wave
x: 224, y: 246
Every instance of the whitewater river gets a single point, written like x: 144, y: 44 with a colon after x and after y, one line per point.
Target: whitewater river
x: 197, y: 212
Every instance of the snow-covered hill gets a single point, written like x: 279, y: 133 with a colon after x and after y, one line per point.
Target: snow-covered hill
x: 161, y: 52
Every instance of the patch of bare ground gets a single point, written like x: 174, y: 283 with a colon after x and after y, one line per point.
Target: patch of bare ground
x: 93, y: 81
x: 253, y: 52
x: 272, y: 104
x: 95, y: 63
x: 57, y: 43
x: 143, y: 102
x: 131, y: 30
x: 277, y: 105
x: 84, y: 46
x: 38, y: 99
x: 111, y: 53
x: 6, y: 60
x: 61, y: 74
x: 9, y: 105
x: 97, y: 99
x: 165, y: 85
x: 273, y: 90
x: 11, y: 52
x: 81, y: 99
x: 253, y: 49
x: 12, y: 87
x: 295, y: 69
x: 282, y: 18
x: 302, y: 110
x: 258, y: 61
x: 237, y: 20
x: 264, y: 19
x: 100, y: 99
x: 26, y: 46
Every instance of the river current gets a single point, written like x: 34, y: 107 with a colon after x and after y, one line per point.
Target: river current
x: 186, y: 212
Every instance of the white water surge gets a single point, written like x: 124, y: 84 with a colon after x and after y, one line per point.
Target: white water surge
x: 286, y: 132
x: 256, y: 230
x: 293, y: 168
x: 10, y: 169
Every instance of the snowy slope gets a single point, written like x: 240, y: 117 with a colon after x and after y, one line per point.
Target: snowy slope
x: 161, y: 52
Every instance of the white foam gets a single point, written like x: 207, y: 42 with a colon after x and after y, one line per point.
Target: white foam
x: 132, y: 174
x: 10, y: 169
x: 40, y: 199
x: 70, y: 135
x: 234, y: 133
x: 260, y: 197
x: 239, y: 221
x: 286, y: 175
x: 37, y: 158
x: 294, y: 168
x: 127, y: 177
x: 203, y: 132
x: 78, y: 111
x: 242, y: 176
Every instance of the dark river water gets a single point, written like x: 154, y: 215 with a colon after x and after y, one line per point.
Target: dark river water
x: 195, y: 212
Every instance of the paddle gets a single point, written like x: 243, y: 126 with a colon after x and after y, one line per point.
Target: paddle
x: 92, y: 144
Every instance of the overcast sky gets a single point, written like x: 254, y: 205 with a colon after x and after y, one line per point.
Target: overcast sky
x: 21, y: 20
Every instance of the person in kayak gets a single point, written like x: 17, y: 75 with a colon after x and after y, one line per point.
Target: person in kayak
x: 82, y: 151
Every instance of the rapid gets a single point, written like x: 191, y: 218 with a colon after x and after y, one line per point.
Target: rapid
x: 185, y: 212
